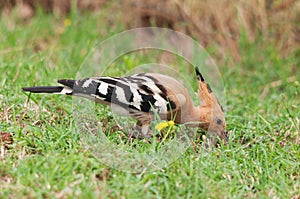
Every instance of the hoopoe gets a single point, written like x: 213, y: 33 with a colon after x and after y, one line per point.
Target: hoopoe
x: 143, y: 95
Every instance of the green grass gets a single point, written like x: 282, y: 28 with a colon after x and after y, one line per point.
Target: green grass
x: 48, y: 158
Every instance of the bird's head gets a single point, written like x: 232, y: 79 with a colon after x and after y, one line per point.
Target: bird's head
x: 212, y: 115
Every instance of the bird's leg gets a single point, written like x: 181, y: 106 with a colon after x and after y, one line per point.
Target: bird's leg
x: 141, y: 130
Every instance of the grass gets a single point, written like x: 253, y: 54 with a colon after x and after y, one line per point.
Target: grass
x: 48, y: 158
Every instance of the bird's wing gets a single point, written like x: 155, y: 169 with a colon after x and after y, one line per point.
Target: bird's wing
x: 140, y: 92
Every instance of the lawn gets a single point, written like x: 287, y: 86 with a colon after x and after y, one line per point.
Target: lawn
x: 48, y: 158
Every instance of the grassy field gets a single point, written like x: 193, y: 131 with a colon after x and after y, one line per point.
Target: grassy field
x: 47, y: 158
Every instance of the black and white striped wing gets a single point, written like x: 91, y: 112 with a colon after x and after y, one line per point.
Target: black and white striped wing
x: 139, y: 92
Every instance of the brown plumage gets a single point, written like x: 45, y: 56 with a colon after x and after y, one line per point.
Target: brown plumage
x: 140, y: 95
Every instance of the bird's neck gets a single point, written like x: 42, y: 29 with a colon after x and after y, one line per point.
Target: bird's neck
x: 197, y: 117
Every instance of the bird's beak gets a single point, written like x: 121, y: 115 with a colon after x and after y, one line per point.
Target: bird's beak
x: 225, y: 137
x: 214, y: 140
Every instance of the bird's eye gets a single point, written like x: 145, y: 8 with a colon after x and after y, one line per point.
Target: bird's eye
x: 219, y: 121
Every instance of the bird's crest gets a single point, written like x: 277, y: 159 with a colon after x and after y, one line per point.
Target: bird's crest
x: 205, y: 93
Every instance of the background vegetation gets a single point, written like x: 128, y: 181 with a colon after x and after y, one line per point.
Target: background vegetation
x: 256, y: 45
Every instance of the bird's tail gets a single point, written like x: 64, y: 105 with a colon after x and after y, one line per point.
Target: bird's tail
x: 67, y: 89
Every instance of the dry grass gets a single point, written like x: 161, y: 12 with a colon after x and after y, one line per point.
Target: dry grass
x: 212, y: 22
x: 221, y: 23
x: 26, y: 8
